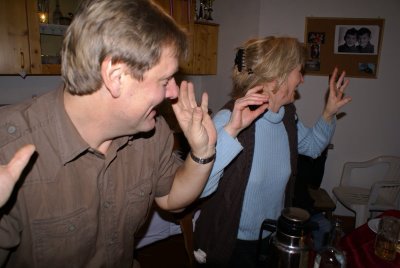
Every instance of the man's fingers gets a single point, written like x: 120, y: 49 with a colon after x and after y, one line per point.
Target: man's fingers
x: 183, y: 94
x: 204, y: 102
x: 20, y: 160
x: 192, y: 97
x: 196, y: 125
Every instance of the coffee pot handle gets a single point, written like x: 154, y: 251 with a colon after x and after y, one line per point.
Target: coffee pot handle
x: 269, y: 225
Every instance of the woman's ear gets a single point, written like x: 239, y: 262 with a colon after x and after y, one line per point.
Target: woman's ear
x: 111, y: 74
x: 271, y: 87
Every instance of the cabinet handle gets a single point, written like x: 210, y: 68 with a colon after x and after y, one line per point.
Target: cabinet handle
x: 22, y: 73
x: 171, y: 8
x: 22, y: 60
x: 189, y: 10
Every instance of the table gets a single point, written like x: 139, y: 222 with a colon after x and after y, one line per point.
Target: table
x: 359, y: 247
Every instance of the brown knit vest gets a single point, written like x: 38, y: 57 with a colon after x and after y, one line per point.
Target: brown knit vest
x: 217, y: 227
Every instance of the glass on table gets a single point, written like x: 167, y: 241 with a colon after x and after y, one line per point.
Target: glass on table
x: 398, y: 244
x: 387, y: 238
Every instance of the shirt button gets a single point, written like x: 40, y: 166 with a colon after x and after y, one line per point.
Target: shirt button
x: 106, y: 204
x: 71, y: 227
x: 141, y: 193
x: 11, y: 129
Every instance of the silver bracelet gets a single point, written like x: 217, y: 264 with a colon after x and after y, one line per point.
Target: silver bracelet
x: 202, y: 160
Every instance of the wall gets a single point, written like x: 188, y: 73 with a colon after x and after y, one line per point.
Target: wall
x: 369, y: 128
x: 14, y: 88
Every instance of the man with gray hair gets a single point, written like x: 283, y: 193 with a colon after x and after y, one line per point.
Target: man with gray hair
x: 102, y: 156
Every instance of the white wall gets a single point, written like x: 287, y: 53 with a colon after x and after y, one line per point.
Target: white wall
x: 371, y: 125
x: 15, y: 88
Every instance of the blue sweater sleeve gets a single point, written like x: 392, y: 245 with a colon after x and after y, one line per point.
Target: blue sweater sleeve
x: 312, y: 141
x: 227, y: 149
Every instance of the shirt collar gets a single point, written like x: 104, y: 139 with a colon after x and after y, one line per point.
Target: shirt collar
x: 70, y: 142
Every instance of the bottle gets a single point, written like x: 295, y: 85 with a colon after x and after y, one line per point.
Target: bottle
x: 201, y: 10
x: 331, y: 256
x: 57, y: 13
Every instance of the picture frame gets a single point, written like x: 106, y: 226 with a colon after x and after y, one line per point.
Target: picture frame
x: 351, y: 44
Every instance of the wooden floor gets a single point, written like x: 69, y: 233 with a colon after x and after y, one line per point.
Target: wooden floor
x: 167, y: 253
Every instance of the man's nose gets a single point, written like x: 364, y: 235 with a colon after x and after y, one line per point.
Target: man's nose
x: 172, y: 91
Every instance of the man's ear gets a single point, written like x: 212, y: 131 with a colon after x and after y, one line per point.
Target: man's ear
x: 111, y: 74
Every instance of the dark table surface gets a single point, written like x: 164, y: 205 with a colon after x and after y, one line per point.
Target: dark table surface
x: 359, y: 247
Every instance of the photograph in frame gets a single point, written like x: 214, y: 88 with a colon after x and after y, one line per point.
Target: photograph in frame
x: 355, y: 39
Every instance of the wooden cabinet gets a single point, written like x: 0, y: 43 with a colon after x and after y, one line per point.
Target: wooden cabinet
x: 19, y: 35
x: 28, y: 47
x: 203, y: 37
x: 203, y: 50
x: 181, y: 10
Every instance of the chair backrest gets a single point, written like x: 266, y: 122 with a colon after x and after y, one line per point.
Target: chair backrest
x: 366, y: 173
x: 384, y: 195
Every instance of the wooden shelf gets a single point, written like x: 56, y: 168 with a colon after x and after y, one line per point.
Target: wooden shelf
x: 52, y: 29
x: 51, y: 69
x: 206, y: 22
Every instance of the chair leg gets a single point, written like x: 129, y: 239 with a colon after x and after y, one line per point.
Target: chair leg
x: 187, y: 230
x: 362, y: 214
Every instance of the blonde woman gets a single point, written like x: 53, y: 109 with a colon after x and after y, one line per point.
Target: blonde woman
x: 259, y: 137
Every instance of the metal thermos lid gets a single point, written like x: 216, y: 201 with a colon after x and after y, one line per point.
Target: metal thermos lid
x: 294, y: 214
x: 293, y: 221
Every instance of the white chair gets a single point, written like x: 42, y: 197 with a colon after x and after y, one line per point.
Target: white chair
x: 384, y: 195
x: 370, y: 186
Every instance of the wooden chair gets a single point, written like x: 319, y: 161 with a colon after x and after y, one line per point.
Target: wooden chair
x: 186, y: 219
x: 186, y: 223
x: 323, y: 202
x: 308, y: 193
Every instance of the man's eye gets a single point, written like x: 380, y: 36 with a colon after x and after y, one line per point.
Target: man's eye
x: 166, y: 81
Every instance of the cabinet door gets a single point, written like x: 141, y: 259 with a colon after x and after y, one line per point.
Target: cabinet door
x: 183, y: 11
x: 18, y: 55
x: 203, y: 37
x: 203, y: 58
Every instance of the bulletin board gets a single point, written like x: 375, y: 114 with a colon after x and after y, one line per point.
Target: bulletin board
x: 351, y: 44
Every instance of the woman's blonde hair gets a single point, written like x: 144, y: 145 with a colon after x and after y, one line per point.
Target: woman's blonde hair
x: 265, y: 60
x: 133, y: 32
